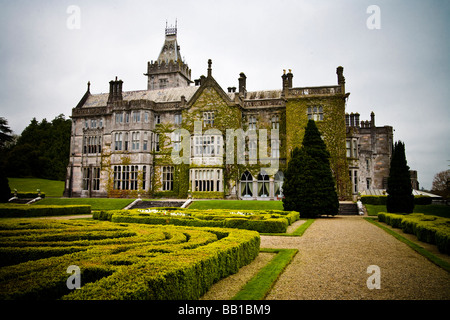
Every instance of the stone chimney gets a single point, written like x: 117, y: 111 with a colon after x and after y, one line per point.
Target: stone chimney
x: 372, y: 120
x: 340, y: 77
x: 115, y: 90
x: 242, y: 84
x: 289, y: 79
x: 357, y: 120
x: 209, y: 67
x: 352, y: 119
x: 284, y: 80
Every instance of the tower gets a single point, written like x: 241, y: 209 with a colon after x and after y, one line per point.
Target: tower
x: 169, y: 70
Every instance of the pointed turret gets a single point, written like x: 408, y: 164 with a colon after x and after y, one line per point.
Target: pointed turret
x: 169, y: 70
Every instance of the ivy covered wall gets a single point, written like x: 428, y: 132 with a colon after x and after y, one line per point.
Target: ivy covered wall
x: 332, y: 128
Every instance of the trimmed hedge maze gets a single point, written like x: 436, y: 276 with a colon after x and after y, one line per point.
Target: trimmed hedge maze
x: 264, y: 221
x: 117, y: 261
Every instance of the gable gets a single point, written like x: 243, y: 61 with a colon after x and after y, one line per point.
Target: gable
x: 210, y: 97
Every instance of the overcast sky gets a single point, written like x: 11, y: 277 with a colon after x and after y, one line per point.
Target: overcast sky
x: 400, y: 71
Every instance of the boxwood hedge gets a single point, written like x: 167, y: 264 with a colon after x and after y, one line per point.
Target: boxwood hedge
x: 427, y: 228
x: 118, y: 261
x: 264, y: 221
x: 25, y: 210
x: 381, y: 200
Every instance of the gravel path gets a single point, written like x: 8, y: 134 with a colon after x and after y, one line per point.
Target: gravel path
x: 334, y: 254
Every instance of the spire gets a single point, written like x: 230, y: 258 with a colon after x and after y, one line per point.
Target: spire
x: 170, y: 50
x: 170, y: 70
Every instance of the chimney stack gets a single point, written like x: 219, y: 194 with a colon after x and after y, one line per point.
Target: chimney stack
x: 209, y: 67
x: 284, y: 80
x: 357, y: 120
x: 341, y: 78
x: 289, y: 79
x: 242, y: 84
x: 352, y: 119
x: 115, y: 90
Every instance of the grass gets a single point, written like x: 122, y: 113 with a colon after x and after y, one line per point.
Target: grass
x: 432, y: 209
x: 51, y: 188
x: 259, y: 286
x: 237, y: 204
x: 421, y: 250
x: 95, y: 203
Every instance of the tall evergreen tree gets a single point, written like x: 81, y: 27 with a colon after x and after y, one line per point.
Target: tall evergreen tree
x: 309, y: 185
x: 400, y: 198
x: 42, y: 150
x: 5, y: 132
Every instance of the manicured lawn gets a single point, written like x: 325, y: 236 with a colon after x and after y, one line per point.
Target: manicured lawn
x: 237, y: 204
x: 432, y: 209
x: 95, y: 203
x: 52, y: 188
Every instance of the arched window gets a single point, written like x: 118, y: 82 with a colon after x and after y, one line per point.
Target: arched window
x: 278, y: 183
x: 246, y: 184
x: 263, y: 184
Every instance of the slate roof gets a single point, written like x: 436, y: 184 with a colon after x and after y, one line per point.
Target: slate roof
x: 162, y: 95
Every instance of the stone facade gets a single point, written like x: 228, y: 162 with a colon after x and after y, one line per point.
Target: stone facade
x: 123, y: 142
x: 369, y: 151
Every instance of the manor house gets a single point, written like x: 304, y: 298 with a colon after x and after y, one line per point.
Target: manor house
x: 122, y: 142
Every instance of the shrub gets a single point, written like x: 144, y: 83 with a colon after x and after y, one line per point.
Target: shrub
x: 399, y: 190
x: 427, y: 228
x: 381, y: 200
x: 374, y: 200
x: 264, y: 221
x: 126, y: 261
x: 20, y: 211
x: 422, y: 200
x: 309, y: 186
x: 207, y: 195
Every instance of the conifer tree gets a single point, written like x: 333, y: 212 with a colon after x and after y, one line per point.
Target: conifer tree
x: 309, y: 186
x: 400, y: 198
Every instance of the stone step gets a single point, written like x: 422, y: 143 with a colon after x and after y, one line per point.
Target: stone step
x: 160, y: 203
x: 21, y: 200
x: 348, y: 208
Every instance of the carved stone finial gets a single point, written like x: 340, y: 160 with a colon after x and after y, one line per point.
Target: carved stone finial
x: 209, y: 67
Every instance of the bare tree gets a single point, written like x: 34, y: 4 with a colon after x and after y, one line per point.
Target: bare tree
x: 441, y: 183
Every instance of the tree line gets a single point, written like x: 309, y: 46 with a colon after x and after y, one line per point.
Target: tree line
x: 40, y: 151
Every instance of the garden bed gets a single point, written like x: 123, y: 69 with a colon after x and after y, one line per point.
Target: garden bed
x: 427, y: 228
x: 265, y: 221
x: 24, y: 210
x: 117, y: 261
